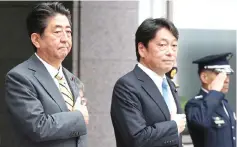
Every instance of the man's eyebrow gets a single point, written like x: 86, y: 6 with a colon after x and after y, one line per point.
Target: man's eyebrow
x: 164, y: 39
x: 60, y: 26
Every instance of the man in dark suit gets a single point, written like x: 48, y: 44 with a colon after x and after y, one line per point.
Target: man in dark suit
x: 211, y: 121
x: 145, y: 109
x: 42, y: 96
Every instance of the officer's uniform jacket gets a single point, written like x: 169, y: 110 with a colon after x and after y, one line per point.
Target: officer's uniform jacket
x: 211, y: 121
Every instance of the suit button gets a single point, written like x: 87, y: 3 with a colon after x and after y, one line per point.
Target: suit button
x: 233, y: 138
x: 233, y: 127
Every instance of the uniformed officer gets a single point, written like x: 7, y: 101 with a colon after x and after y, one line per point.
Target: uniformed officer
x: 211, y: 121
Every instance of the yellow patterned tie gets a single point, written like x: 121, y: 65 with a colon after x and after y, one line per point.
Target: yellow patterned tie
x: 67, y: 95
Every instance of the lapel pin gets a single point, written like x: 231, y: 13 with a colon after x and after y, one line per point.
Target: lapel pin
x: 218, y: 121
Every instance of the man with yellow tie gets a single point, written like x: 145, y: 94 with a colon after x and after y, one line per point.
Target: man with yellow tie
x: 42, y: 96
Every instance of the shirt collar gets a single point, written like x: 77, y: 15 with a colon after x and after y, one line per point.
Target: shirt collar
x: 205, y: 90
x: 52, y: 70
x: 154, y: 76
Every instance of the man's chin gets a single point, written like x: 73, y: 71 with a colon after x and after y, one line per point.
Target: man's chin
x: 63, y: 54
x: 61, y: 57
x: 225, y: 90
x: 168, y: 69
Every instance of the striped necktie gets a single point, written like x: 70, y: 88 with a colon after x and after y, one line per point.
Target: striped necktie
x: 67, y: 95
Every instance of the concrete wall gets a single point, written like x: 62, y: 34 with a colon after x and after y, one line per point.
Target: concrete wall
x: 107, y: 51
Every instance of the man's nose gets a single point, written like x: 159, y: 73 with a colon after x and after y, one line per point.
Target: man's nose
x: 227, y: 80
x: 170, y: 50
x: 64, y: 36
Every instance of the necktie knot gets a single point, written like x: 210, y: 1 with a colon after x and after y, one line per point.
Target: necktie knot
x: 164, y: 83
x: 58, y: 76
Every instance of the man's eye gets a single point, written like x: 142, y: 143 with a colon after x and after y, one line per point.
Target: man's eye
x: 161, y: 44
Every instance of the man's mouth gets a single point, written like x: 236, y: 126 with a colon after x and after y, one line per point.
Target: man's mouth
x: 168, y: 61
x: 63, y: 48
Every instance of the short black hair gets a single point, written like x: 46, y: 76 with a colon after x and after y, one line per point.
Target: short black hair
x: 37, y: 19
x: 148, y: 29
x: 200, y: 70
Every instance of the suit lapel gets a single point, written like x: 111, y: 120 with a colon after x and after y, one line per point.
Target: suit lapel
x: 175, y: 95
x: 44, y: 78
x: 72, y: 84
x: 152, y: 90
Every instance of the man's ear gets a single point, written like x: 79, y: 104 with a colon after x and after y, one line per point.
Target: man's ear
x: 204, y: 77
x: 35, y: 39
x: 141, y: 50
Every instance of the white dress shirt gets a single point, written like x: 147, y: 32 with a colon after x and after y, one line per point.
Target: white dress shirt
x: 53, y: 71
x: 158, y: 82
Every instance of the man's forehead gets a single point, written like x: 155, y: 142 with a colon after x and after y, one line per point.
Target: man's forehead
x: 165, y: 34
x: 58, y: 21
x: 167, y: 39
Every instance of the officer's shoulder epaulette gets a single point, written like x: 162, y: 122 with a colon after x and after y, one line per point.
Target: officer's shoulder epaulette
x: 198, y: 97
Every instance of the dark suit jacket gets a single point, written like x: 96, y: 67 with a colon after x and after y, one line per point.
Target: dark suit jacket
x: 140, y: 115
x: 37, y: 109
x: 208, y: 123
